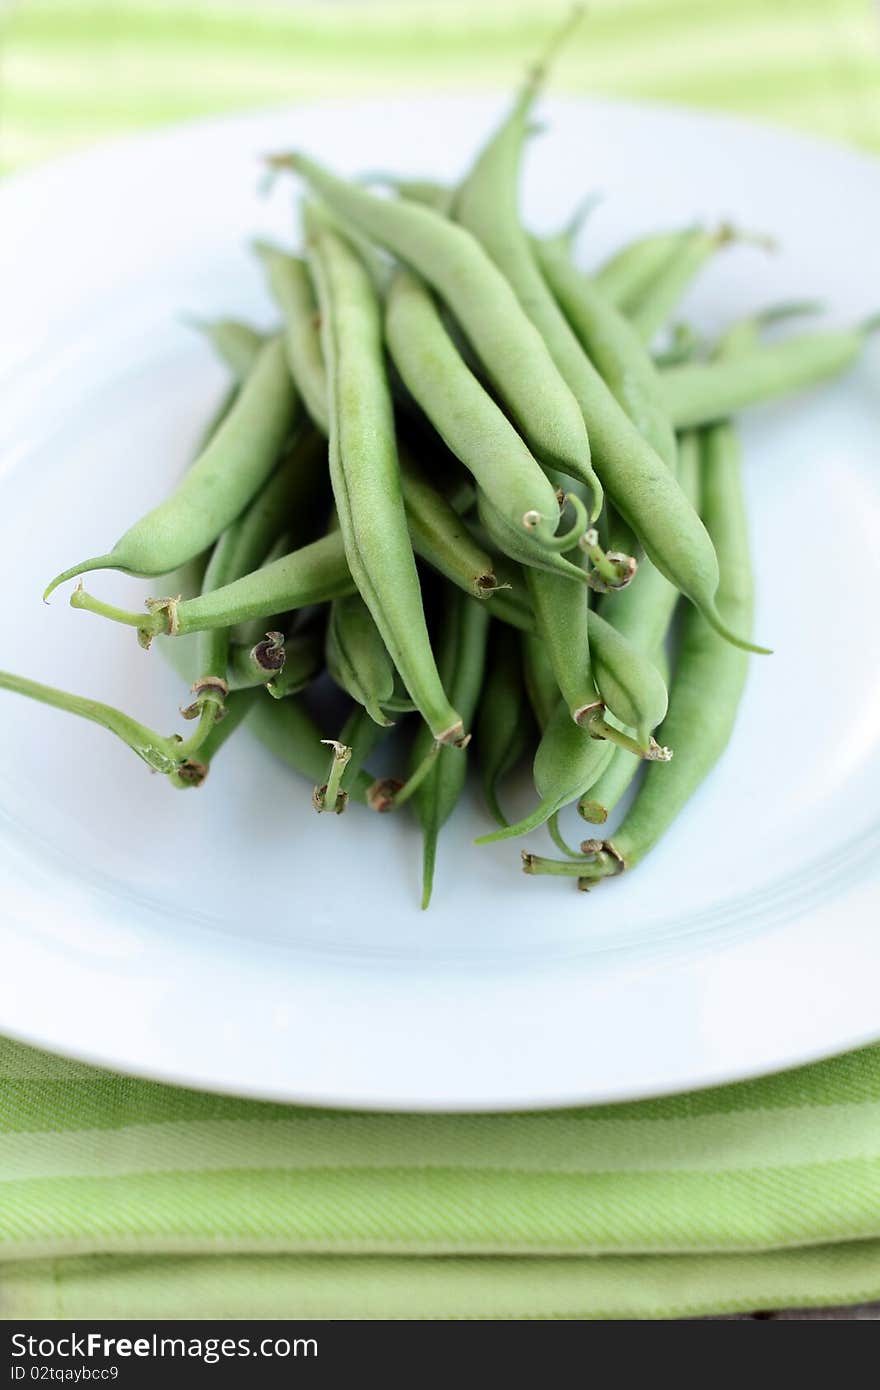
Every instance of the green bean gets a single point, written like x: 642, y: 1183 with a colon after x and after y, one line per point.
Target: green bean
x: 504, y: 725
x: 465, y: 416
x: 217, y: 487
x: 744, y: 334
x: 566, y: 765
x: 507, y: 343
x: 365, y: 473
x: 360, y: 734
x: 560, y: 609
x: 630, y: 686
x: 462, y: 656
x: 699, y: 393
x: 614, y: 348
x: 710, y: 675
x: 235, y: 343
x: 642, y: 488
x: 166, y: 755
x: 356, y: 656
x: 291, y: 286
x: 626, y: 276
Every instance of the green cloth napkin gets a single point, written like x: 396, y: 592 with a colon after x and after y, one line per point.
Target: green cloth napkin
x: 125, y: 1198
x: 121, y: 1198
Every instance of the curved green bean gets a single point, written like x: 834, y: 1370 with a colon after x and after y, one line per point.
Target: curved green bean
x: 356, y: 656
x: 462, y: 657
x: 700, y: 393
x: 234, y: 465
x: 465, y: 416
x: 626, y: 276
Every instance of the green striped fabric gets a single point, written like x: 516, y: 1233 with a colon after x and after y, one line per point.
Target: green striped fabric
x: 122, y: 1197
x: 75, y: 71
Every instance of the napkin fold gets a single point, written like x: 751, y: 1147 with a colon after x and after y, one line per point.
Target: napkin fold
x: 125, y: 1198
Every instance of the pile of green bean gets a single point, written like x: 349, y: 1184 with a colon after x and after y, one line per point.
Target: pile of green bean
x: 473, y: 486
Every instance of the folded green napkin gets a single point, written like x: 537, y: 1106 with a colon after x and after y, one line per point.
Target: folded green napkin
x: 125, y: 1198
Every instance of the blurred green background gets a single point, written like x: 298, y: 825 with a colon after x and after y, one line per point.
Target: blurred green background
x: 74, y: 72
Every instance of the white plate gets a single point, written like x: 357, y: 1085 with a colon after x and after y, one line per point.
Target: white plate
x: 230, y: 938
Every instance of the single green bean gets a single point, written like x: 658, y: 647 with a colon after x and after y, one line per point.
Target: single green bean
x: 626, y: 276
x: 218, y: 486
x: 465, y: 416
x: 659, y: 299
x: 312, y: 574
x: 462, y: 656
x: 365, y: 473
x: 507, y: 343
x: 699, y: 393
x: 161, y: 754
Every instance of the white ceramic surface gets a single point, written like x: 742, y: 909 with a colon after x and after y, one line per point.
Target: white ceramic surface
x: 232, y: 939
